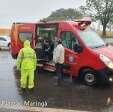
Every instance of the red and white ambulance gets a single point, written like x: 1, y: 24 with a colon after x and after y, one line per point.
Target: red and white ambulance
x: 87, y: 56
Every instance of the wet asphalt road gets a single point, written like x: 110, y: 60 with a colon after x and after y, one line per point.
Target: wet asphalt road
x: 70, y: 95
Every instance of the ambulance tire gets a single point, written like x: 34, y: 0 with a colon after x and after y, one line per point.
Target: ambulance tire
x: 14, y: 56
x: 9, y: 46
x: 89, y: 77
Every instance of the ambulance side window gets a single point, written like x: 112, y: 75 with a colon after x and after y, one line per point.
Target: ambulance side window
x: 25, y: 36
x: 68, y: 39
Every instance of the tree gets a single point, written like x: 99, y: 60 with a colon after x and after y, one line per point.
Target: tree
x: 101, y: 10
x: 83, y: 10
x: 64, y: 14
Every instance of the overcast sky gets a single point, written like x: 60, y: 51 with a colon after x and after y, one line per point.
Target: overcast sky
x: 31, y: 10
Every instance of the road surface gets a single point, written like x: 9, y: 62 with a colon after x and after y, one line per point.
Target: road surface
x: 70, y: 97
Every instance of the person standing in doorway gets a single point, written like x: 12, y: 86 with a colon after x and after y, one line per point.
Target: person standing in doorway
x: 58, y: 58
x: 39, y: 47
x: 26, y: 63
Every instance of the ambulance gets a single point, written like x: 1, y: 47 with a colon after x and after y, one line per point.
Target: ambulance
x: 87, y: 56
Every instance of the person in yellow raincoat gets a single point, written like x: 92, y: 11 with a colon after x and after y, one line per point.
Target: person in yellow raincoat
x: 26, y: 63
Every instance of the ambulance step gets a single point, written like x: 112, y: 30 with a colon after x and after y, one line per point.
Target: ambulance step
x: 49, y: 69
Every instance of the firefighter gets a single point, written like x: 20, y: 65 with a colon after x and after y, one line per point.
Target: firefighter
x: 58, y: 58
x: 26, y: 63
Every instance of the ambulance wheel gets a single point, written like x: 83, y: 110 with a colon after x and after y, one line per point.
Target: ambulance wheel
x: 9, y: 45
x: 14, y: 56
x: 89, y: 77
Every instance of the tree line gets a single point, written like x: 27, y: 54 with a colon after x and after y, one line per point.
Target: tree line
x: 101, y: 10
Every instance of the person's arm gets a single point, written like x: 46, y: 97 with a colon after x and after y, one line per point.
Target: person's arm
x: 56, y: 54
x: 19, y: 60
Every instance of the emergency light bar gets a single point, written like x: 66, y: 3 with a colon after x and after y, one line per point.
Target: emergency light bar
x: 83, y: 23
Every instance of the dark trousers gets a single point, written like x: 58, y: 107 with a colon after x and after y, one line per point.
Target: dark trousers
x: 59, y: 72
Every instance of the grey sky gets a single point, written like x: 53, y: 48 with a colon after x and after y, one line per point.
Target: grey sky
x: 31, y: 10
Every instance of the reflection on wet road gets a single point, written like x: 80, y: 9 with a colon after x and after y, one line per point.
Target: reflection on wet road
x: 68, y: 96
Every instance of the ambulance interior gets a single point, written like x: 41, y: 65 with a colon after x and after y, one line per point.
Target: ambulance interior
x: 45, y: 43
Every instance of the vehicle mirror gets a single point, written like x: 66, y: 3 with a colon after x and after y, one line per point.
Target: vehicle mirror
x: 77, y: 48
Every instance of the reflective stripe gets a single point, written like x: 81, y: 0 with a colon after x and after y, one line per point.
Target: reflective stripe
x: 24, y: 57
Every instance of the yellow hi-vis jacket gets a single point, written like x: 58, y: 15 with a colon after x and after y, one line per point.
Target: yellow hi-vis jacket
x: 27, y: 57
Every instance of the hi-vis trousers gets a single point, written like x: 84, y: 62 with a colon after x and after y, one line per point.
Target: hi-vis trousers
x: 27, y: 77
